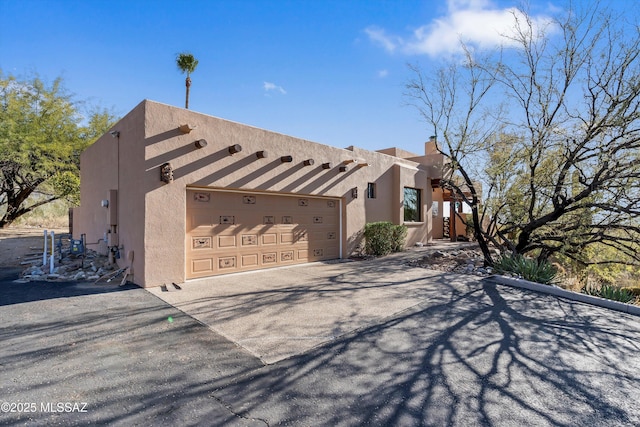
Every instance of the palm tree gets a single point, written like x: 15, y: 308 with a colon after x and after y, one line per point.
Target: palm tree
x: 187, y: 64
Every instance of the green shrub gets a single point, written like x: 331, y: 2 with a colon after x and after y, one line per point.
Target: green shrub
x: 609, y: 292
x: 382, y: 238
x: 528, y: 269
x: 635, y: 290
x: 399, y: 236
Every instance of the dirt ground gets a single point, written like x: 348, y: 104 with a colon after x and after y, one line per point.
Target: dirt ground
x: 18, y: 244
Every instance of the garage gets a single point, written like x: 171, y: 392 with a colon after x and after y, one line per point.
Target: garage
x: 230, y: 231
x: 184, y: 195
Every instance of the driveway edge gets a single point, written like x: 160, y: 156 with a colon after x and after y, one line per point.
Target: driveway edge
x: 554, y: 290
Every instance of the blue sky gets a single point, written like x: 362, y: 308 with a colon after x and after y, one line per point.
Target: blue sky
x: 324, y: 70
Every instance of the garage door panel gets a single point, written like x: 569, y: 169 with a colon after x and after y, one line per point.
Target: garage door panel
x: 269, y: 258
x: 287, y: 256
x: 227, y: 262
x: 226, y: 242
x: 201, y: 242
x: 250, y: 260
x: 249, y: 240
x: 202, y: 265
x: 229, y: 232
x: 200, y: 219
x: 269, y: 239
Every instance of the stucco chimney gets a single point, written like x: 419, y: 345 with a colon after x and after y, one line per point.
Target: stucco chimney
x: 431, y: 146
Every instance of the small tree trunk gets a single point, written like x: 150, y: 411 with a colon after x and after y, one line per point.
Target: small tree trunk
x: 482, y: 242
x: 187, y: 83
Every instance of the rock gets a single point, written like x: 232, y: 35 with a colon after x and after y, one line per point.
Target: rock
x: 60, y: 269
x: 440, y: 254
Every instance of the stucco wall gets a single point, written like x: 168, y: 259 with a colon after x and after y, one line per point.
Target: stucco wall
x: 113, y: 163
x: 98, y: 174
x: 214, y: 167
x: 152, y: 216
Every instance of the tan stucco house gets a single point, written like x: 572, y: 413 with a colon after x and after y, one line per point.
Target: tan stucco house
x: 176, y: 195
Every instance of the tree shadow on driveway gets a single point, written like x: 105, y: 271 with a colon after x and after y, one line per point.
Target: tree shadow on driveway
x: 278, y: 314
x: 477, y: 354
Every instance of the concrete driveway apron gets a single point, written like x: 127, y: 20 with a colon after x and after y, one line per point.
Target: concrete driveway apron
x: 278, y: 313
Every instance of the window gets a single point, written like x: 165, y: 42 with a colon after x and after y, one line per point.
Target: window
x: 371, y: 190
x: 412, y: 205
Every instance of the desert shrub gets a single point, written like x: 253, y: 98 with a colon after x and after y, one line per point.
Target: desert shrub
x: 609, y: 292
x: 528, y: 269
x: 635, y: 290
x: 399, y: 236
x: 382, y: 238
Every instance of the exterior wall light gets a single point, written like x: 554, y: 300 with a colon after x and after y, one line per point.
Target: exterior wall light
x: 201, y: 143
x: 286, y: 159
x: 261, y: 154
x: 308, y: 162
x: 166, y: 173
x: 235, y: 148
x: 326, y: 166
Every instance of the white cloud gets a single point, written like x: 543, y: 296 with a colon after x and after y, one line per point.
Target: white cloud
x: 383, y: 73
x: 477, y: 23
x: 269, y: 87
x: 380, y: 37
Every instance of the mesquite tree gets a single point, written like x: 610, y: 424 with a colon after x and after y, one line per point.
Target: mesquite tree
x: 42, y: 133
x: 546, y: 131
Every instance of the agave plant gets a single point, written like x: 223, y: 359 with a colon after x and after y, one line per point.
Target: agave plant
x: 609, y: 292
x: 528, y: 269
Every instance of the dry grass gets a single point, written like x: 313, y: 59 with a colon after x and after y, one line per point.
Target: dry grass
x: 51, y: 215
x: 24, y: 238
x: 18, y: 244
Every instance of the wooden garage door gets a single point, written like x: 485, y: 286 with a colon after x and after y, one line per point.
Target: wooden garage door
x: 229, y: 231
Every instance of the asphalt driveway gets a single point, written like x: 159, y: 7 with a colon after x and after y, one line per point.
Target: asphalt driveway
x: 425, y: 349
